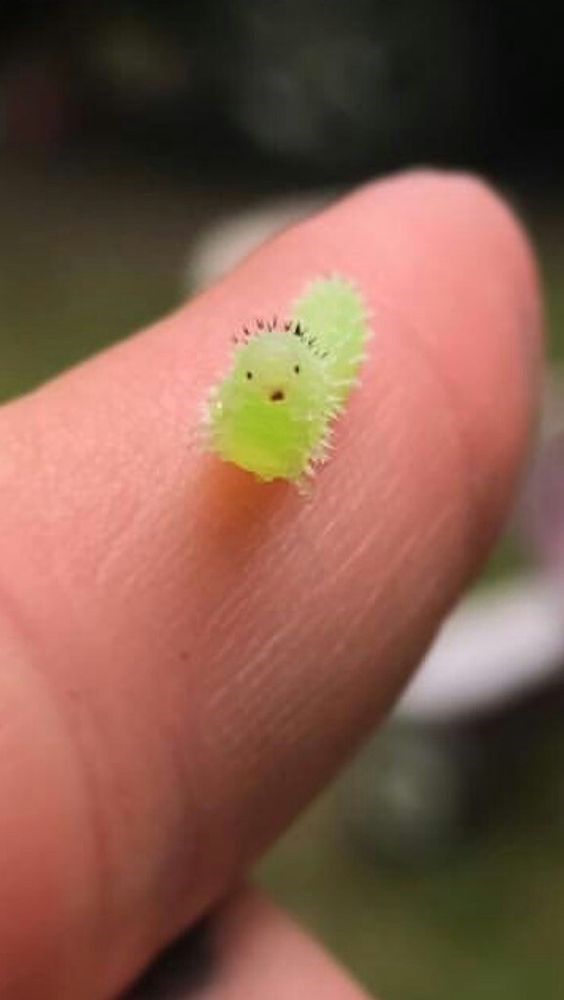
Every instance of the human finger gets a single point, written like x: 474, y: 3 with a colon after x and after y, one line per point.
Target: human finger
x: 191, y: 654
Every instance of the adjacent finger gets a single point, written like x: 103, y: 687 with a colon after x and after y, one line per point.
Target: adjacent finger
x: 246, y: 950
x: 261, y: 953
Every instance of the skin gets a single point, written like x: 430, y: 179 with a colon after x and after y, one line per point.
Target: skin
x: 179, y: 676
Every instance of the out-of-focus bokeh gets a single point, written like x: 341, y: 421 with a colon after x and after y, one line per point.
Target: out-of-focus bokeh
x: 144, y: 147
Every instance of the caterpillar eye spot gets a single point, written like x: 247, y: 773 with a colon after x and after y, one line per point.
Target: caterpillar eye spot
x: 249, y: 375
x: 297, y: 369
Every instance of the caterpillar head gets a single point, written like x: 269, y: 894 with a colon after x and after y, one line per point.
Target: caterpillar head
x: 266, y: 413
x: 276, y: 369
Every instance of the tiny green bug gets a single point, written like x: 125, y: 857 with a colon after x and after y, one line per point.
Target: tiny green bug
x: 272, y: 414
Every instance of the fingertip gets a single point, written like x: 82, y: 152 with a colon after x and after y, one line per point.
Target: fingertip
x: 451, y: 271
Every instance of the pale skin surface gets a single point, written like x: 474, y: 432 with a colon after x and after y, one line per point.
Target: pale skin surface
x: 168, y: 698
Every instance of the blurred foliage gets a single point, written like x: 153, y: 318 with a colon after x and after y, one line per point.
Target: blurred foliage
x: 487, y: 924
x: 554, y: 283
x: 74, y: 275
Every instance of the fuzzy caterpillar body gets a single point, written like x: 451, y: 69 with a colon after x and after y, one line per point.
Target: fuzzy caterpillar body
x: 272, y: 415
x: 333, y: 312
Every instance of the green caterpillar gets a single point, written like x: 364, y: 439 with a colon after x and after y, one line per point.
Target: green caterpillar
x: 272, y: 415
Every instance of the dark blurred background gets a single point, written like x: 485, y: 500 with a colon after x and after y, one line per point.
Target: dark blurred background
x: 296, y: 89
x: 130, y: 131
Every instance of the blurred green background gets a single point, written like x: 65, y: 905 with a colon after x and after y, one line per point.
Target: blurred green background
x: 90, y: 250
